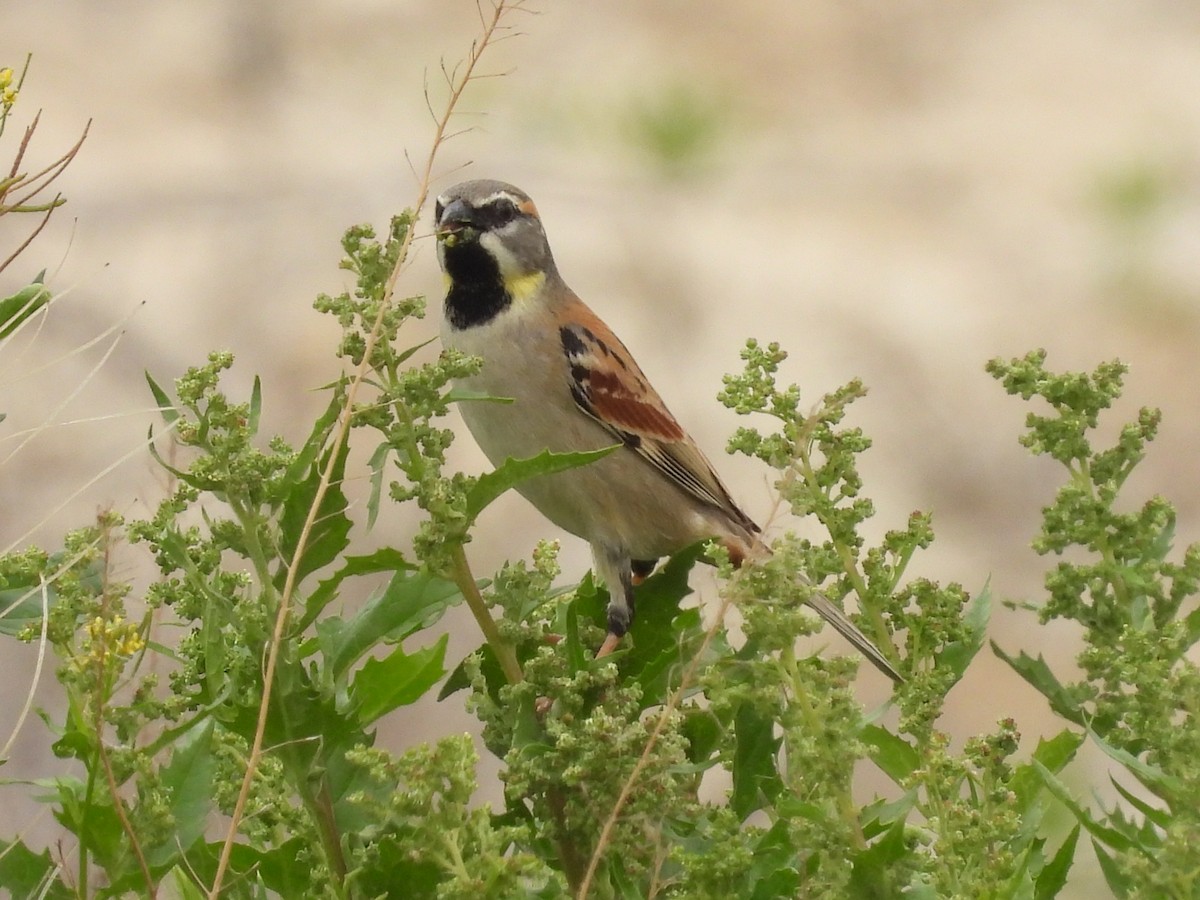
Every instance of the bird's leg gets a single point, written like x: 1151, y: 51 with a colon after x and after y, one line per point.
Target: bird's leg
x: 641, y: 569
x: 614, y: 568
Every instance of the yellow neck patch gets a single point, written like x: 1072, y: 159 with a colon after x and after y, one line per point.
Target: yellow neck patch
x: 523, y: 288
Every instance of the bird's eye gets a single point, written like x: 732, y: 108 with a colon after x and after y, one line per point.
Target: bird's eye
x: 498, y: 213
x: 437, y: 210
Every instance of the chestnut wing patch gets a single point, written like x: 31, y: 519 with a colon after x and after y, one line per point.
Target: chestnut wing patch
x: 607, y: 385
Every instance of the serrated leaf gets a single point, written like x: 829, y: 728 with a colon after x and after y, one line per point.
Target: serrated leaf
x: 1053, y: 877
x: 24, y: 873
x: 1038, y: 674
x: 894, y: 755
x: 873, y: 867
x: 188, y: 778
x: 1159, y: 817
x: 493, y: 675
x: 317, y: 439
x: 280, y: 868
x: 411, y: 601
x: 1053, y: 753
x: 879, y: 816
x: 703, y: 731
x: 329, y: 534
x: 185, y: 888
x: 1095, y: 828
x: 1153, y: 777
x: 513, y: 471
x: 398, y: 679
x: 386, y: 559
x: 1120, y: 883
x: 957, y: 656
x: 663, y: 637
x: 755, y: 776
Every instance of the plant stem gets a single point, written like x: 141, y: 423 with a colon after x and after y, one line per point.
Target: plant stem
x: 505, y: 655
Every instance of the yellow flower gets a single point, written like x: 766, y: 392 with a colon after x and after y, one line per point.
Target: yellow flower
x: 6, y: 75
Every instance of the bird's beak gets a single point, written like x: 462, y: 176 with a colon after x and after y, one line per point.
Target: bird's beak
x: 455, y: 224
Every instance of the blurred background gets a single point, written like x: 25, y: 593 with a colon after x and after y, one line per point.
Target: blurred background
x: 894, y: 191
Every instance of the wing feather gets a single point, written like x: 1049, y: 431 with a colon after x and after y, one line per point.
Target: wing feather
x: 608, y: 385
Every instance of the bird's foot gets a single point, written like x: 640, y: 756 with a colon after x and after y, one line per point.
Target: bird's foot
x: 611, y: 642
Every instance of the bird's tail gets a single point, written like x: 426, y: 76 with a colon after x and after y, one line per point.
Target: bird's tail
x: 847, y: 629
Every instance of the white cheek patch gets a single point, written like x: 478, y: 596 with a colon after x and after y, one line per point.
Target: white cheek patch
x: 504, y: 258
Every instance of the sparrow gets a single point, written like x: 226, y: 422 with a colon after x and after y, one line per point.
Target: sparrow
x: 574, y: 387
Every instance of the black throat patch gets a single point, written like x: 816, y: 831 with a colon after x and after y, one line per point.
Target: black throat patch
x: 477, y: 294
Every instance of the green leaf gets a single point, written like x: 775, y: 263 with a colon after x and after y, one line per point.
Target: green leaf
x: 166, y: 405
x: 411, y: 601
x: 189, y: 779
x: 398, y: 679
x: 255, y: 406
x: 1053, y: 753
x: 871, y: 875
x: 878, y: 817
x: 21, y: 607
x: 20, y: 306
x: 703, y: 732
x: 185, y: 888
x: 284, y: 869
x: 1038, y: 674
x: 329, y: 534
x: 1096, y: 829
x: 513, y: 471
x: 664, y: 638
x: 1159, y: 817
x: 377, y: 465
x: 318, y: 437
x: 24, y: 873
x: 577, y: 659
x: 1154, y: 778
x: 385, y: 559
x: 94, y: 822
x: 957, y: 655
x: 466, y: 395
x: 489, y: 667
x: 754, y: 773
x: 1053, y: 876
x: 894, y: 755
x: 1120, y: 883
x: 774, y: 870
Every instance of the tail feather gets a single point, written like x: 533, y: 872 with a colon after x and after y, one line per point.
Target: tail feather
x: 847, y: 629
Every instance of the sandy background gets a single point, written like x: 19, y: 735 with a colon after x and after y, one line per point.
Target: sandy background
x: 894, y: 191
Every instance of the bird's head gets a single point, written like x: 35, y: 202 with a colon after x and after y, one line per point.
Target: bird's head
x: 489, y: 229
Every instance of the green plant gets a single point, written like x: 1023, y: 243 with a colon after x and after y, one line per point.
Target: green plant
x: 1139, y: 697
x: 271, y: 673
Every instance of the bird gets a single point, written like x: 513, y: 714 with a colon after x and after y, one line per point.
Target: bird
x: 574, y: 386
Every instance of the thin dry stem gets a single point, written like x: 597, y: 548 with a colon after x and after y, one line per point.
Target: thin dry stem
x: 75, y: 392
x: 35, y: 184
x: 339, y: 439
x: 32, y: 235
x: 37, y: 674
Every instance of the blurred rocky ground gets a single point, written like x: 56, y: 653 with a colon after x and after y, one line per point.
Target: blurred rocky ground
x: 894, y: 191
